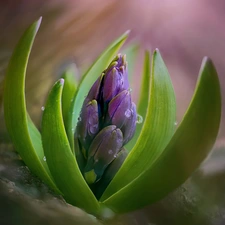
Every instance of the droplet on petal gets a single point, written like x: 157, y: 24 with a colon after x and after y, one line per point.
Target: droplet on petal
x: 128, y: 113
x: 129, y: 126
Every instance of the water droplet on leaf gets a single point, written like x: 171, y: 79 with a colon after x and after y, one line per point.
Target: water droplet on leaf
x: 139, y: 119
x: 175, y: 123
x: 42, y: 108
x: 44, y: 158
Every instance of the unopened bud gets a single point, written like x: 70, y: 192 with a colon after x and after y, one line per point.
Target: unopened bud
x: 116, y: 78
x: 88, y: 124
x: 102, y: 152
x: 107, y: 120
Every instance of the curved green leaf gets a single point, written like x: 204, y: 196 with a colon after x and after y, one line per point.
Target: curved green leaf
x: 143, y: 100
x: 22, y: 131
x: 70, y: 76
x: 61, y: 161
x: 187, y: 149
x: 157, y: 130
x: 92, y: 75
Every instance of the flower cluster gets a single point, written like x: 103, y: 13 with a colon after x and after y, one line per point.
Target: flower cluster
x: 107, y: 120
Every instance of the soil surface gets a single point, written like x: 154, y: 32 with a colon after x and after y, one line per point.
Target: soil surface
x: 24, y: 199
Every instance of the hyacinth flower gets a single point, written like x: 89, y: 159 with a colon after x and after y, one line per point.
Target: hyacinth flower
x: 107, y: 120
x: 88, y: 149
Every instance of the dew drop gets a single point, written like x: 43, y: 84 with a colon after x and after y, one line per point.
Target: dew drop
x: 110, y: 152
x: 128, y: 113
x: 130, y: 89
x: 42, y: 108
x: 44, y: 158
x: 139, y: 119
x: 115, y: 156
x: 175, y: 123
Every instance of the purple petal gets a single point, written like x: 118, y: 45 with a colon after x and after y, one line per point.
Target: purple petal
x: 119, y: 108
x: 95, y: 90
x: 112, y: 84
x: 129, y: 126
x: 116, y: 78
x: 88, y: 124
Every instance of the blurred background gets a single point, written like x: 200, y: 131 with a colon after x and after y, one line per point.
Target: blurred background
x: 78, y: 31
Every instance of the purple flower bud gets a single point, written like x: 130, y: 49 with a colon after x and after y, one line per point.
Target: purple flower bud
x: 122, y: 113
x: 118, y: 107
x: 107, y: 120
x: 116, y: 78
x: 88, y: 124
x: 102, y: 152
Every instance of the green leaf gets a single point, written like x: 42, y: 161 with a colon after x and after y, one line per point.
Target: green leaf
x: 189, y: 146
x: 70, y: 76
x: 22, y: 131
x: 143, y: 100
x: 92, y: 74
x: 61, y: 161
x: 157, y: 130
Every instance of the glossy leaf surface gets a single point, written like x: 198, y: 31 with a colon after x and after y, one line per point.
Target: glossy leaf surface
x: 23, y: 132
x: 59, y: 157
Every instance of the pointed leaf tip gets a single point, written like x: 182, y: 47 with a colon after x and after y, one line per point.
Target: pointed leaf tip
x: 156, y: 50
x: 38, y: 24
x: 61, y: 81
x: 127, y: 32
x: 206, y: 61
x: 39, y: 20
